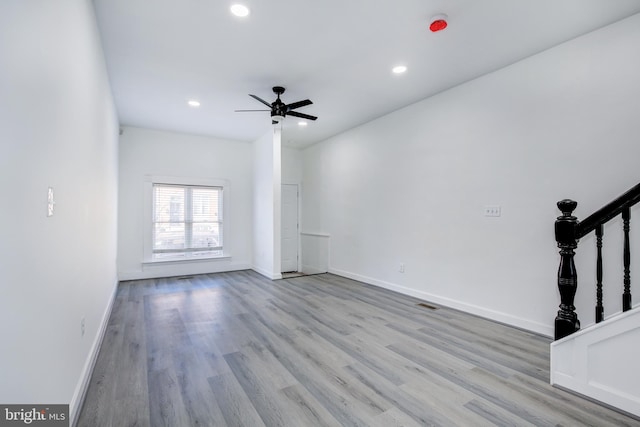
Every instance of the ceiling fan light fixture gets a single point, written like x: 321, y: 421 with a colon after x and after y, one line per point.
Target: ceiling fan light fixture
x: 239, y: 10
x: 193, y: 103
x: 302, y: 124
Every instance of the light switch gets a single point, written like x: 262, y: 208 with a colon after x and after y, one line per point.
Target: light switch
x: 50, y: 202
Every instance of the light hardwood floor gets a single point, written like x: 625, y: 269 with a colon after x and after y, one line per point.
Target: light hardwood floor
x: 236, y: 349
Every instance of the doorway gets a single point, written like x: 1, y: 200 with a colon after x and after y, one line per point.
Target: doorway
x: 289, y: 253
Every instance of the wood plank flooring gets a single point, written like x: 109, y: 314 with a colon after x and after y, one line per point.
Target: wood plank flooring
x: 236, y: 349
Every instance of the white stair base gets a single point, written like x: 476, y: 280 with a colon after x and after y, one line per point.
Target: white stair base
x: 602, y: 362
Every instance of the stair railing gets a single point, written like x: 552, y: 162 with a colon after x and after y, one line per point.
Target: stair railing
x: 568, y: 232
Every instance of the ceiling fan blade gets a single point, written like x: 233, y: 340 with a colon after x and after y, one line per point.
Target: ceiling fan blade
x: 261, y: 100
x: 299, y: 104
x: 244, y: 111
x: 302, y: 116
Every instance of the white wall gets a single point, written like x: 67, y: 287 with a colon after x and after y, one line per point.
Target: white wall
x: 411, y: 187
x: 59, y: 129
x: 291, y: 165
x: 267, y: 175
x: 145, y: 153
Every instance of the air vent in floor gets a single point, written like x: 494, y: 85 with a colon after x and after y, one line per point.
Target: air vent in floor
x: 425, y: 305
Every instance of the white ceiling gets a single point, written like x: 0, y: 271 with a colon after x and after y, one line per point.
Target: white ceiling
x: 338, y: 53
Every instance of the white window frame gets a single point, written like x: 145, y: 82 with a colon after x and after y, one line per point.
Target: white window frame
x: 150, y: 181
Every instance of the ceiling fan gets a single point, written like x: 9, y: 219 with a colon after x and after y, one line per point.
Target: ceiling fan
x: 279, y: 110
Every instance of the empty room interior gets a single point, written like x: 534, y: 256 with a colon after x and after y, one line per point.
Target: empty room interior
x: 296, y: 213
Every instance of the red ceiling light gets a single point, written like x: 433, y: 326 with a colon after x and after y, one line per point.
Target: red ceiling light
x: 438, y: 23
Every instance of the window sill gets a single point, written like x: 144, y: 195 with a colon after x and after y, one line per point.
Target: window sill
x: 187, y: 260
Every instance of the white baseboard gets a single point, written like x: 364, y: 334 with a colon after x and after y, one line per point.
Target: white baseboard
x: 268, y: 274
x: 83, y: 384
x: 518, y: 322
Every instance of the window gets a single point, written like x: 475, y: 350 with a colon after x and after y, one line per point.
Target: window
x: 187, y: 222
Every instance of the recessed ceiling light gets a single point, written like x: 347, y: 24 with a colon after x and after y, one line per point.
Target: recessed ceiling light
x: 193, y: 103
x: 240, y: 10
x: 301, y: 123
x: 399, y: 69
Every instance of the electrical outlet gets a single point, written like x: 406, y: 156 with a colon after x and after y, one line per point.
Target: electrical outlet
x: 82, y: 327
x: 401, y: 268
x: 493, y: 210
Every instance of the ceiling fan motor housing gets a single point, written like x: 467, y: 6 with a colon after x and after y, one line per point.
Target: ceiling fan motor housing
x: 279, y: 109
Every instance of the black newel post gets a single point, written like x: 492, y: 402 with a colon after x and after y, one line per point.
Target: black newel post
x: 566, y: 235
